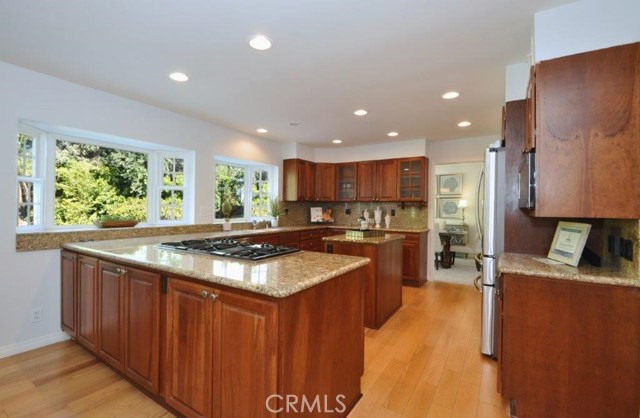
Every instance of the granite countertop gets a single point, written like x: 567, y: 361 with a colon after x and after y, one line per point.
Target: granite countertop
x: 392, y: 229
x: 524, y: 264
x: 368, y: 240
x: 278, y: 277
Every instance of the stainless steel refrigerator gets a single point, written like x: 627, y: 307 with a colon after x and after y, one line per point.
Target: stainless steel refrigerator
x: 492, y: 198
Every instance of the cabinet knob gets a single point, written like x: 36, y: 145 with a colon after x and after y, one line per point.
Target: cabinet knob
x: 121, y: 271
x: 213, y: 297
x: 204, y: 294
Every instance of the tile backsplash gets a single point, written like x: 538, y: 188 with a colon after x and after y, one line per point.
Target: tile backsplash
x: 411, y: 217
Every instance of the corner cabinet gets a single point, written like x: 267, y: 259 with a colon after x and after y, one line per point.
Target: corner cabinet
x: 412, y: 179
x: 569, y: 348
x: 299, y: 177
x: 587, y: 124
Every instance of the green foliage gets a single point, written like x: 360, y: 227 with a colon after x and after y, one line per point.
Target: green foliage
x: 93, y: 182
x: 230, y: 189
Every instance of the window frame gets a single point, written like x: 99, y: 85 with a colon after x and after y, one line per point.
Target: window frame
x: 38, y: 178
x: 250, y: 167
x: 46, y: 161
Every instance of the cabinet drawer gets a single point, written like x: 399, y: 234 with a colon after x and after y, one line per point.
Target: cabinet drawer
x: 290, y: 239
x: 309, y: 235
x: 313, y: 245
x: 267, y: 238
x: 411, y: 237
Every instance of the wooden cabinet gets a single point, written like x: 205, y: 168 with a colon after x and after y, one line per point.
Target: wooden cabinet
x: 289, y: 239
x: 231, y: 351
x: 129, y: 322
x: 88, y: 302
x: 412, y: 179
x: 346, y: 182
x: 273, y: 239
x: 325, y: 178
x: 414, y: 259
x: 383, y: 277
x: 299, y: 180
x: 530, y: 113
x: 68, y: 296
x: 311, y: 240
x: 569, y: 348
x: 377, y: 181
x: 587, y: 118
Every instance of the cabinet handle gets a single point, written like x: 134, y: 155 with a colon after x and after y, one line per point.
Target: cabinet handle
x: 204, y: 294
x: 121, y: 271
x: 213, y: 297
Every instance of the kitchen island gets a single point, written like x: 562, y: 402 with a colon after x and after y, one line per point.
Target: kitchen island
x: 383, y: 276
x: 568, y: 339
x: 211, y: 337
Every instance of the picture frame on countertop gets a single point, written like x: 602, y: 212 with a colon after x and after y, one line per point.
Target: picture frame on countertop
x: 568, y: 242
x: 450, y: 184
x: 448, y: 208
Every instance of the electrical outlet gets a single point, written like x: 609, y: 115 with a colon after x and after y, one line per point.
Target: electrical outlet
x: 611, y: 244
x: 286, y: 211
x: 347, y: 211
x: 36, y: 315
x: 628, y: 249
x: 393, y: 212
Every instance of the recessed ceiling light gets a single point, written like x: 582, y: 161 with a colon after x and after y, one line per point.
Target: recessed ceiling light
x: 464, y: 124
x: 261, y: 130
x: 337, y: 141
x: 260, y: 42
x: 178, y: 77
x: 450, y: 95
x: 360, y: 112
x: 392, y: 134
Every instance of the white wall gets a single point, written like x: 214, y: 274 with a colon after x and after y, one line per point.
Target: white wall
x: 586, y: 25
x: 31, y: 279
x: 396, y: 149
x: 517, y: 80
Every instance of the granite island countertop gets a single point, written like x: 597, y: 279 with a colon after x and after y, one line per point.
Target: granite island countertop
x: 368, y: 240
x: 525, y: 265
x: 277, y: 277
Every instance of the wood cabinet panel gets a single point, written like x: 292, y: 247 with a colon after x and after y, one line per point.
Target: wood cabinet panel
x: 588, y: 134
x: 111, y: 314
x: 87, y: 302
x: 142, y: 328
x: 530, y: 113
x: 189, y: 366
x: 245, y: 355
x: 414, y: 259
x: 366, y: 177
x: 273, y: 239
x: 325, y: 178
x: 298, y: 180
x: 68, y: 296
x: 386, y: 181
x: 570, y: 347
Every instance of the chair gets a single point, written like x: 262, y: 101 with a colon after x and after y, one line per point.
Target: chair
x: 438, y: 244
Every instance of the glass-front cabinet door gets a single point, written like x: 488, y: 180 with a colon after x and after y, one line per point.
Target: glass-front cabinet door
x: 412, y: 175
x: 346, y: 182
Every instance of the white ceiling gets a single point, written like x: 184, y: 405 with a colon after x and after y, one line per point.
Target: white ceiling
x: 330, y: 57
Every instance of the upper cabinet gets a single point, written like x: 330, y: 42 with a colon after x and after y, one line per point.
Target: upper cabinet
x: 412, y: 179
x: 346, y: 178
x: 377, y: 181
x: 325, y: 175
x: 298, y: 180
x: 587, y: 119
x: 530, y: 113
x: 392, y: 180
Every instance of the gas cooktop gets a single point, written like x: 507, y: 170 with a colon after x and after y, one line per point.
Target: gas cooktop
x: 229, y: 248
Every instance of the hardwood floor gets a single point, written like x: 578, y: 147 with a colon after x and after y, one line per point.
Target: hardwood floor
x: 424, y: 362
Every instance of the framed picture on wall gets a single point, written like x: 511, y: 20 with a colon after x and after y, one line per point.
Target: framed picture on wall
x: 450, y: 184
x: 448, y: 208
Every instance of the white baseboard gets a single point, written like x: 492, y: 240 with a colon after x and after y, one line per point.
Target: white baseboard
x: 21, y: 347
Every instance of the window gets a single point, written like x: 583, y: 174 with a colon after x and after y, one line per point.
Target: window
x: 71, y: 180
x: 29, y: 179
x: 245, y: 188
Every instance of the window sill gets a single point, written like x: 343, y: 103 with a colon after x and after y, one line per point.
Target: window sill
x: 51, y: 240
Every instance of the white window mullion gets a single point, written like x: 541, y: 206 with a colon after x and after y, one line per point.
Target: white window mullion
x: 49, y: 170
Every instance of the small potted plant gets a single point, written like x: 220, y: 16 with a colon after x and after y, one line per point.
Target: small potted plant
x: 226, y: 207
x: 276, y: 211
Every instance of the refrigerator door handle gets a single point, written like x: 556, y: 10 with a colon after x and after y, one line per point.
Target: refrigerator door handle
x: 488, y: 271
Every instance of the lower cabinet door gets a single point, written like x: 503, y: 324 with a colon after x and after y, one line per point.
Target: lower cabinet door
x: 245, y: 357
x: 410, y: 260
x: 142, y: 328
x: 68, y: 295
x: 188, y: 368
x: 88, y: 302
x: 111, y: 314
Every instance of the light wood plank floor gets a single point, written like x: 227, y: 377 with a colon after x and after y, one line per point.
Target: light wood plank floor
x: 424, y: 362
